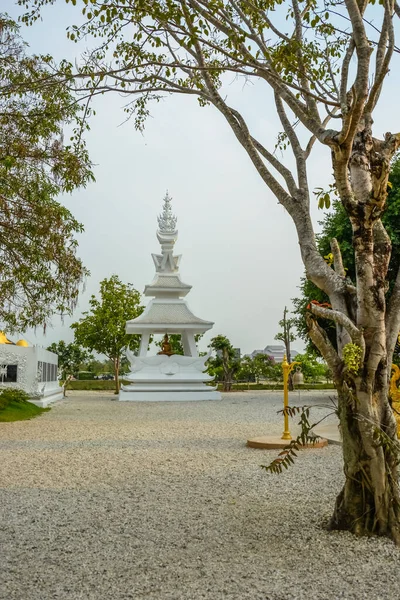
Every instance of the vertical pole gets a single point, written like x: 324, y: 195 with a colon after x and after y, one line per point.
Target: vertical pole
x: 144, y: 342
x: 185, y: 343
x: 189, y: 344
x: 286, y: 368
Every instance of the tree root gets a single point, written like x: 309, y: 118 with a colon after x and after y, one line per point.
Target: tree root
x: 355, y: 512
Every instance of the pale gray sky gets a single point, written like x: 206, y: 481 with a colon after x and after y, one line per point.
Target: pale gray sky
x: 239, y: 247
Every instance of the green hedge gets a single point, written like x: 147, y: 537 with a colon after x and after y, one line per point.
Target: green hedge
x: 85, y: 376
x: 99, y: 385
x: 96, y: 384
x: 278, y: 386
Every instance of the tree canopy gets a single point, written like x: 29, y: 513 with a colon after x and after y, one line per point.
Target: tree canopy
x: 40, y: 273
x: 70, y: 358
x: 261, y: 366
x: 226, y: 361
x: 102, y: 328
x: 286, y: 334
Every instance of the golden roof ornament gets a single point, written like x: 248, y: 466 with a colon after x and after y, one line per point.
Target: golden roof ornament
x: 4, y: 339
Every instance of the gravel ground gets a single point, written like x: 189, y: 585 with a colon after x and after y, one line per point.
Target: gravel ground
x: 101, y: 500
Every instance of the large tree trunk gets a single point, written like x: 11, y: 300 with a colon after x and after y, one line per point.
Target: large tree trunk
x: 65, y: 386
x: 369, y: 501
x: 116, y: 374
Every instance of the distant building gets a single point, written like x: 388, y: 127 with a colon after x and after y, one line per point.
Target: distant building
x: 275, y: 352
x: 255, y: 352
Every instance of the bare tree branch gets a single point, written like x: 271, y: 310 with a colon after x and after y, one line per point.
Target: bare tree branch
x: 340, y: 318
x: 284, y: 171
x: 322, y: 342
x: 337, y: 258
x: 384, y: 55
x: 294, y: 141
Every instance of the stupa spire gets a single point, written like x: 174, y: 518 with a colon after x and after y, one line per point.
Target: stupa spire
x: 167, y: 235
x: 167, y: 221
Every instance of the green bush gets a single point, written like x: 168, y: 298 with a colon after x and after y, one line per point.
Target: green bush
x: 85, y: 376
x: 12, y: 395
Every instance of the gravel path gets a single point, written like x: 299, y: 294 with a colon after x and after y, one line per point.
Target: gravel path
x: 101, y: 500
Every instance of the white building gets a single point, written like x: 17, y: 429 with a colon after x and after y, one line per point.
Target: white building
x: 31, y: 369
x: 276, y: 352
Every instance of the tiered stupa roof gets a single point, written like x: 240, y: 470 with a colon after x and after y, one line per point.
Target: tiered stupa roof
x: 167, y: 312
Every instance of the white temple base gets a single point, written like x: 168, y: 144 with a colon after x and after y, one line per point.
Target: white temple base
x: 164, y: 378
x: 50, y: 399
x: 139, y: 394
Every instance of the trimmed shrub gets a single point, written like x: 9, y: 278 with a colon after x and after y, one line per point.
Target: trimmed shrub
x: 85, y: 376
x: 12, y: 395
x: 279, y: 386
x: 96, y: 384
x: 100, y: 385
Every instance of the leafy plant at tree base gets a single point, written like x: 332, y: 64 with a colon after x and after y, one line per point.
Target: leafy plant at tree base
x: 325, y: 67
x: 70, y: 358
x: 306, y: 437
x: 352, y: 355
x: 102, y: 329
x: 40, y: 273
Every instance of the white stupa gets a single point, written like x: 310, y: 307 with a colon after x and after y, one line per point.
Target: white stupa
x: 165, y: 376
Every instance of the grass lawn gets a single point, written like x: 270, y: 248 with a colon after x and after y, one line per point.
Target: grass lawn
x: 15, y: 407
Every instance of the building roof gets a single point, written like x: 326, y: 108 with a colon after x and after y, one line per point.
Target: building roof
x: 167, y: 283
x: 277, y: 352
x: 255, y: 352
x: 167, y: 317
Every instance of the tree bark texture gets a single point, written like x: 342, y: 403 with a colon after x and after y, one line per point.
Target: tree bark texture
x: 369, y: 501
